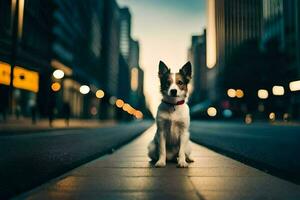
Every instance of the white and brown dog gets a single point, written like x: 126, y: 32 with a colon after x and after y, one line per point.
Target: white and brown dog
x: 171, y: 140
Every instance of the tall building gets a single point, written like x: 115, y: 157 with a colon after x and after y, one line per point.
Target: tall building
x: 81, y: 38
x: 110, y: 52
x: 130, y: 51
x: 29, y: 51
x: 136, y: 76
x: 125, y: 33
x: 232, y: 23
x: 77, y: 51
x: 197, y: 56
x: 273, y: 23
x: 249, y: 39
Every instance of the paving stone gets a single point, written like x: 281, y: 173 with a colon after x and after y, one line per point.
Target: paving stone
x: 115, y: 195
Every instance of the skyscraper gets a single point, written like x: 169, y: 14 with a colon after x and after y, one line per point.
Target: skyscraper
x: 197, y: 56
x: 234, y: 22
x: 125, y: 33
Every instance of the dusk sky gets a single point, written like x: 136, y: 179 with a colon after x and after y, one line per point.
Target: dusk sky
x: 164, y: 29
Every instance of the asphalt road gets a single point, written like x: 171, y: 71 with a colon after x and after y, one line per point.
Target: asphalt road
x: 28, y: 160
x: 271, y: 148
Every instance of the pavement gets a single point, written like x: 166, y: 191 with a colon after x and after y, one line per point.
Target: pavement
x: 28, y: 160
x: 270, y: 147
x: 128, y: 174
x: 24, y: 125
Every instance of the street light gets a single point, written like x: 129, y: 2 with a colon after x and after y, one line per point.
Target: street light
x: 231, y: 93
x: 126, y: 107
x: 119, y: 103
x: 295, y: 85
x: 272, y: 116
x: 100, y: 94
x: 84, y: 89
x: 17, y: 15
x: 138, y: 114
x: 239, y: 93
x: 278, y: 90
x: 58, y: 74
x: 262, y: 94
x: 55, y: 86
x: 212, y: 111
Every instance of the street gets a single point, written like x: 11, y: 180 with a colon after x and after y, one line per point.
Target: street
x: 271, y: 148
x: 29, y: 160
x: 128, y: 174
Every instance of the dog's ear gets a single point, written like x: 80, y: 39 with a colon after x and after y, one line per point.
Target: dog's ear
x: 163, y: 69
x: 186, y: 71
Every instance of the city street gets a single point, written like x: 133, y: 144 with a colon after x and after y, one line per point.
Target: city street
x: 271, y: 148
x: 81, y: 82
x: 28, y: 160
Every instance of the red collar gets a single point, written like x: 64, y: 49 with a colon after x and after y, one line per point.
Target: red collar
x: 176, y: 104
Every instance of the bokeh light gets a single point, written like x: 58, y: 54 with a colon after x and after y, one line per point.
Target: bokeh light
x: 278, y: 90
x: 231, y: 93
x: 248, y: 119
x: 239, y: 93
x: 58, y: 74
x: 100, y: 94
x: 212, y: 111
x: 84, y: 89
x: 262, y: 94
x: 294, y: 86
x: 272, y: 116
x: 138, y: 114
x: 55, y: 86
x: 119, y: 103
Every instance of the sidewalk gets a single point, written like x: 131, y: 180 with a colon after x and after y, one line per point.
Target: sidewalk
x: 24, y: 125
x: 127, y: 174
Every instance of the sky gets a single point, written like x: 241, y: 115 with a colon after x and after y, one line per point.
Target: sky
x: 164, y: 29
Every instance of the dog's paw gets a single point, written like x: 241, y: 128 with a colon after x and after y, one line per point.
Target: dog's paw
x: 182, y: 164
x: 160, y: 163
x: 190, y: 159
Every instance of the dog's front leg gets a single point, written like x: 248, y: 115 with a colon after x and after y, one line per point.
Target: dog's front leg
x: 162, y: 150
x: 181, y: 154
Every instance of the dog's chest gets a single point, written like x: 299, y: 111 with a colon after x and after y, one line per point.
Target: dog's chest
x: 174, y: 123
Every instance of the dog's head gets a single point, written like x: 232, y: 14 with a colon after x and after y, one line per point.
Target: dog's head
x: 174, y: 85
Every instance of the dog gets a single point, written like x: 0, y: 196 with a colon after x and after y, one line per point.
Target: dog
x: 171, y: 141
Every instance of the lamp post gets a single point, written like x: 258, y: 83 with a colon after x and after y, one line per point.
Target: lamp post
x: 17, y: 26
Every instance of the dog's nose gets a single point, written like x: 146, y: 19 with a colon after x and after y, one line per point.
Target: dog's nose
x: 173, y: 92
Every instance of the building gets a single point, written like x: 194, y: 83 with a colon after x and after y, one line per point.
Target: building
x: 197, y: 56
x: 125, y: 33
x: 136, y: 74
x: 253, y: 45
x: 273, y: 23
x: 236, y: 23
x: 291, y: 13
x: 233, y: 33
x: 77, y: 51
x: 80, y: 38
x: 280, y: 39
x: 29, y: 52
x: 130, y: 51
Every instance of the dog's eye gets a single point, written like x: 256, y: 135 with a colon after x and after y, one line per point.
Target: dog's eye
x: 179, y: 82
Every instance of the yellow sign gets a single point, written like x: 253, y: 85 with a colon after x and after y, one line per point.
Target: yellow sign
x: 4, y: 73
x: 23, y: 78
x: 26, y: 79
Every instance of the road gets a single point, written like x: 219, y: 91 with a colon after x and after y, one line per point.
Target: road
x: 271, y: 148
x: 28, y: 160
